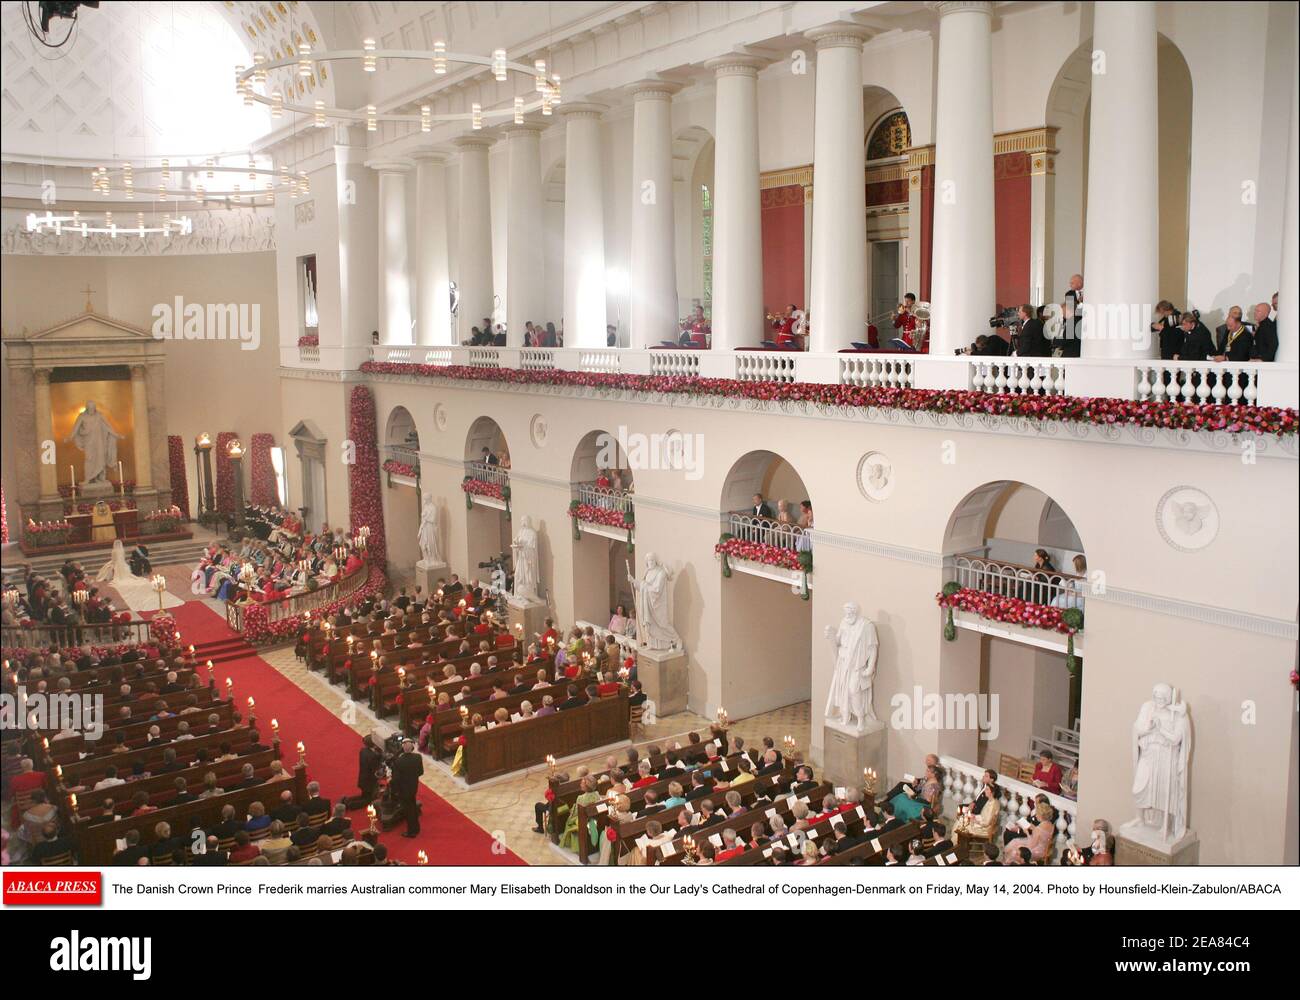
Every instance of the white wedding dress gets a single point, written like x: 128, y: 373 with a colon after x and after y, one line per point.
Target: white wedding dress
x: 136, y: 591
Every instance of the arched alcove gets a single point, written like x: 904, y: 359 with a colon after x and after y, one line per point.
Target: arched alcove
x: 602, y: 485
x: 693, y: 209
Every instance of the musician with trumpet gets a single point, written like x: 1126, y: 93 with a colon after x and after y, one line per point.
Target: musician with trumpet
x: 905, y: 319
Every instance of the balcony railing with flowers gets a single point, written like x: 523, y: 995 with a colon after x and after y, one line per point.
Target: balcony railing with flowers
x: 1007, y: 579
x: 484, y: 480
x: 766, y: 531
x: 260, y: 620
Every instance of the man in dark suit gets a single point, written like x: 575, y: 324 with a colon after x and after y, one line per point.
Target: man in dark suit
x: 519, y: 686
x: 287, y: 811
x: 1072, y: 320
x: 406, y: 782
x: 698, y: 789
x: 1030, y: 342
x: 1197, y: 344
x: 368, y: 761
x: 760, y: 507
x: 891, y: 822
x: 771, y: 764
x: 572, y: 701
x: 1265, y: 341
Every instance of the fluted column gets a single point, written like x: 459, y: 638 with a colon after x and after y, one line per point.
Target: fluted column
x: 142, y: 454
x: 965, y: 277
x: 584, y: 227
x: 838, y: 300
x: 524, y: 298
x: 433, y: 322
x: 394, y: 253
x: 1288, y: 293
x: 474, y: 235
x: 1121, y: 263
x: 652, y: 276
x: 48, y: 472
x: 737, y: 209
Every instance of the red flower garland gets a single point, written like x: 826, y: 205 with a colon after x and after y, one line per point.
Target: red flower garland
x: 365, y: 500
x: 4, y: 517
x: 607, y: 516
x: 482, y: 488
x: 258, y: 626
x: 225, y: 497
x: 1008, y: 610
x: 396, y: 468
x: 309, y: 340
x: 176, y: 463
x: 261, y: 473
x: 759, y: 552
x: 1077, y: 409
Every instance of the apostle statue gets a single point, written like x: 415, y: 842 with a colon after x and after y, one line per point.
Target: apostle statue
x: 430, y: 554
x: 856, y: 647
x: 1162, y: 745
x: 94, y: 435
x: 524, y: 552
x: 654, y: 606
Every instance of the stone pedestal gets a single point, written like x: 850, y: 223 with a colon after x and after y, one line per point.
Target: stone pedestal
x: 427, y: 575
x: 1136, y: 844
x: 848, y: 752
x: 530, y: 614
x: 663, y: 677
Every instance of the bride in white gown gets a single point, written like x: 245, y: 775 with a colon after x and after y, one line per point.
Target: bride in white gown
x: 136, y: 591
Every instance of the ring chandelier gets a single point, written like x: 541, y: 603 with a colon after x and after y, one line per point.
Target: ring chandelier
x: 260, y: 187
x: 547, y: 86
x: 85, y: 226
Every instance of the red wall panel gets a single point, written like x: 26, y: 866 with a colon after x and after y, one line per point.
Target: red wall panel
x: 783, y: 240
x: 1013, y: 207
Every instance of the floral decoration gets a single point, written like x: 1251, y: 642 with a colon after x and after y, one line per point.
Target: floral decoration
x: 1163, y: 414
x: 176, y: 466
x: 225, y: 497
x: 262, y: 491
x: 365, y: 502
x: 395, y: 468
x: 1010, y: 611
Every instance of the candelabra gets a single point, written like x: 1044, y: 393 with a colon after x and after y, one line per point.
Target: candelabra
x: 159, y: 585
x: 869, y: 781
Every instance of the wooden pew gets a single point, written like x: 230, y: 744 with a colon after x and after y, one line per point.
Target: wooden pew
x: 447, y: 726
x: 875, y: 851
x: 96, y: 842
x: 164, y: 785
x: 524, y: 744
x: 80, y: 772
x: 68, y: 751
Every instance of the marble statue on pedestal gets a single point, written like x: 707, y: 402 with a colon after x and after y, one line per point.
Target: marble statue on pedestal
x: 856, y: 647
x: 524, y: 552
x: 430, y: 551
x: 95, y: 437
x: 1162, y: 746
x: 654, y: 606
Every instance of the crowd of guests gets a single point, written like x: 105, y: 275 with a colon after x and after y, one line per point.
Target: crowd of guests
x: 71, y: 601
x: 1182, y: 336
x: 285, y: 560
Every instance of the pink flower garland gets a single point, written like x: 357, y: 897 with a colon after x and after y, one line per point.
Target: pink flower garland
x: 1088, y: 410
x: 364, y: 498
x: 4, y: 517
x: 258, y: 626
x: 759, y: 552
x: 225, y: 497
x: 1008, y: 610
x: 309, y: 340
x: 176, y: 464
x: 261, y: 473
x: 609, y: 517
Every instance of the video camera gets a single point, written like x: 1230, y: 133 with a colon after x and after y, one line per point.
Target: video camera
x: 1009, y: 317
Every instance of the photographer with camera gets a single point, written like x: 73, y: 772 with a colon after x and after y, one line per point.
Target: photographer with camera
x: 1166, y: 329
x: 369, y: 761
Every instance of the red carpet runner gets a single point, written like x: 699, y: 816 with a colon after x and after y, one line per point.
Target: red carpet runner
x: 447, y: 836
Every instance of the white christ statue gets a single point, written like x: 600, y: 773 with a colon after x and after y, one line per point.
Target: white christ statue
x: 524, y: 550
x: 94, y: 435
x: 654, y: 606
x: 430, y: 553
x: 856, y: 648
x: 1162, y: 747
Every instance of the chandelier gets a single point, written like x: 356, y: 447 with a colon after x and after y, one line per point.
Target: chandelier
x: 210, y: 181
x: 545, y: 84
x: 84, y: 225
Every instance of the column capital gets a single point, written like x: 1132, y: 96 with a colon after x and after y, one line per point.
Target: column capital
x: 42, y: 375
x: 945, y: 7
x: 435, y: 156
x: 583, y: 109
x: 736, y: 64
x: 138, y: 373
x: 474, y: 141
x: 395, y: 166
x: 524, y: 129
x: 839, y: 35
x: 652, y: 90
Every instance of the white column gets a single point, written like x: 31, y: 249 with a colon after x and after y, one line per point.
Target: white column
x: 1121, y: 262
x: 652, y: 267
x: 474, y: 235
x: 433, y: 322
x: 584, y: 227
x: 524, y: 298
x: 1288, y: 293
x: 1042, y: 201
x: 394, y: 262
x: 837, y: 304
x: 143, y: 455
x: 737, y: 207
x: 964, y: 283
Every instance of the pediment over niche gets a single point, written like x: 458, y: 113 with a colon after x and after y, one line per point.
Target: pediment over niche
x: 307, y: 432
x: 86, y: 326
x: 87, y: 338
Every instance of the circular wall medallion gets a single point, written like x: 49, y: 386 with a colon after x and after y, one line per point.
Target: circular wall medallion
x: 538, y: 430
x: 440, y: 416
x: 1187, y: 518
x: 876, y: 476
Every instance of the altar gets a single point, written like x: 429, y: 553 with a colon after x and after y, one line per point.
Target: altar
x: 86, y: 398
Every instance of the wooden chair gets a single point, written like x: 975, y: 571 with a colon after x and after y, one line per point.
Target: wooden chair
x: 1008, y: 765
x: 634, y: 720
x: 1026, y: 772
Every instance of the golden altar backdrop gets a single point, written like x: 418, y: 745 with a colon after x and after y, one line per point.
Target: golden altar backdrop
x: 113, y: 399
